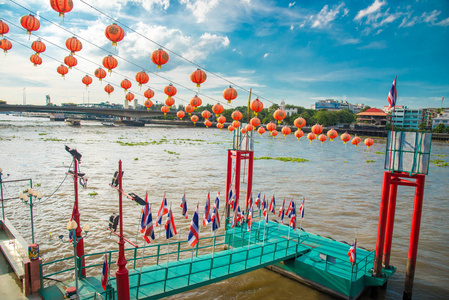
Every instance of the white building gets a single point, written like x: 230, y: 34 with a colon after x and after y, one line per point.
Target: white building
x: 288, y: 111
x: 441, y: 119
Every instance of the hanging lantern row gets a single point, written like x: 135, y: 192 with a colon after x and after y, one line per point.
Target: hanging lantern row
x: 4, y: 28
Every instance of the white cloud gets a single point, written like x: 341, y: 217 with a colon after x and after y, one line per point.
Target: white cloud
x: 291, y: 4
x: 375, y: 45
x: 292, y: 27
x: 325, y: 16
x: 430, y: 17
x: 200, y: 8
x: 444, y: 22
x: 266, y: 55
x: 370, y: 9
x: 349, y: 41
x: 345, y: 12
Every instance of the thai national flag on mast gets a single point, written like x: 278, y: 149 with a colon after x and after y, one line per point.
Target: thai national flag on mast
x: 250, y: 218
x: 184, y: 206
x: 257, y: 202
x: 145, y: 211
x: 217, y: 200
x: 293, y: 217
x: 264, y: 204
x: 289, y: 208
x: 301, y: 208
x: 206, y: 217
x: 236, y: 217
x: 194, y: 233
x: 352, y: 253
x: 281, y: 211
x: 105, y: 272
x: 215, y: 217
x: 170, y: 228
x: 149, y: 230
x: 228, y: 199
x: 272, y: 205
x: 393, y: 94
x: 232, y: 200
x: 163, y: 210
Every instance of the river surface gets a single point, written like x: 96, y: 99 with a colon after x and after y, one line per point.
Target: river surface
x: 341, y: 188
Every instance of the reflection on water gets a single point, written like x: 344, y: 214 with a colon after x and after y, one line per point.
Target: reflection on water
x: 342, y: 193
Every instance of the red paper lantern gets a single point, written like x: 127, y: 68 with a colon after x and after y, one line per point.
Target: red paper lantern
x: 220, y: 126
x: 62, y: 70
x: 311, y: 136
x: 217, y: 109
x: 129, y: 96
x: 109, y: 62
x: 271, y: 126
x: 207, y: 123
x: 206, y: 114
x: 159, y: 57
x: 255, y: 121
x: 299, y: 133
x: 170, y: 90
x: 4, y: 28
x: 114, y: 33
x: 231, y: 128
x: 194, y: 119
x: 165, y: 109
x: 74, y: 45
x: 236, y: 124
x: 332, y: 134
x: 148, y: 103
x: 286, y: 131
x: 30, y: 23
x: 148, y: 94
x: 345, y: 137
x: 100, y: 73
x: 236, y: 115
x: 180, y: 114
x: 198, y: 77
x: 87, y: 80
x: 35, y: 59
x: 249, y: 127
x: 125, y: 84
x: 189, y: 109
x: 229, y: 94
x: 317, y: 129
x: 274, y: 133
x: 368, y: 142
x: 261, y: 130
x: 61, y: 6
x: 356, y: 140
x: 109, y: 89
x: 38, y: 46
x: 279, y: 115
x: 196, y: 102
x: 243, y: 130
x: 221, y: 119
x: 256, y: 106
x: 169, y: 102
x: 142, y: 78
x: 70, y: 61
x: 5, y: 45
x: 299, y: 122
x: 322, y: 138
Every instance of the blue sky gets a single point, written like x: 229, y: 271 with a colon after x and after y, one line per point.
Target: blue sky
x: 299, y: 51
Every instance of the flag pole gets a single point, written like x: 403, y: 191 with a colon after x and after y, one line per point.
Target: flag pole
x: 168, y: 244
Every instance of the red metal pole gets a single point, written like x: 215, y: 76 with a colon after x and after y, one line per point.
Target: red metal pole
x: 80, y: 244
x: 414, y: 237
x: 390, y: 224
x: 238, y: 159
x: 249, y: 187
x: 228, y: 182
x: 382, y: 224
x: 121, y: 274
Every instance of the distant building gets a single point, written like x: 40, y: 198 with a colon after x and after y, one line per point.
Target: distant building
x: 441, y: 119
x: 288, y: 111
x: 406, y: 118
x: 334, y: 105
x: 372, y: 117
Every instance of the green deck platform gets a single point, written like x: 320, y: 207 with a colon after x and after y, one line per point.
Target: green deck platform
x: 316, y: 260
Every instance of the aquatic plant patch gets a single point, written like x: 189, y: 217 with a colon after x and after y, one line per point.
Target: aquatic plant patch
x: 284, y: 159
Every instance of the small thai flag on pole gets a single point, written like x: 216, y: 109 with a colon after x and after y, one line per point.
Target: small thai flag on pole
x: 105, y: 272
x: 163, y: 210
x: 145, y: 210
x: 228, y: 199
x: 264, y: 203
x: 250, y: 218
x: 272, y: 205
x: 149, y: 230
x: 393, y: 94
x: 301, y: 208
x: 184, y: 206
x: 289, y: 208
x: 215, y: 218
x: 293, y: 217
x: 206, y: 217
x: 170, y: 228
x: 352, y: 253
x: 194, y: 235
x: 257, y: 202
x: 281, y: 211
x: 217, y: 200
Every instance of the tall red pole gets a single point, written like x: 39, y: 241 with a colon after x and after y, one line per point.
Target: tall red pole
x: 390, y: 224
x: 122, y: 272
x: 382, y: 224
x: 80, y: 244
x: 238, y: 158
x: 249, y: 186
x: 228, y: 183
x: 414, y: 237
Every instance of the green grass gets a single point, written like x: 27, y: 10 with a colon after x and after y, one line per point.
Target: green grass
x: 284, y: 159
x: 93, y: 194
x: 171, y: 152
x: 439, y: 163
x: 368, y: 161
x: 377, y: 152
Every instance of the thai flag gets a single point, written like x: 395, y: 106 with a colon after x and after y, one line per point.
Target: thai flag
x: 215, y: 218
x: 170, y: 228
x: 217, y: 200
x: 145, y: 211
x: 163, y: 210
x: 206, y: 217
x: 392, y: 95
x: 237, y: 217
x: 272, y: 205
x: 250, y: 203
x: 352, y: 253
x: 241, y: 215
x: 301, y: 208
x: 257, y: 202
x: 250, y: 219
x: 105, y: 272
x: 281, y: 211
x: 264, y: 207
x: 228, y: 199
x: 194, y: 233
x: 289, y: 209
x: 149, y: 230
x: 293, y: 217
x: 184, y: 206
x: 232, y: 201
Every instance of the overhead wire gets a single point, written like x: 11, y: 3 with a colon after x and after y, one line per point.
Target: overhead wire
x: 122, y: 58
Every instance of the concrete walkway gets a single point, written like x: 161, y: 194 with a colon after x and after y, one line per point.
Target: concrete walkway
x: 10, y: 286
